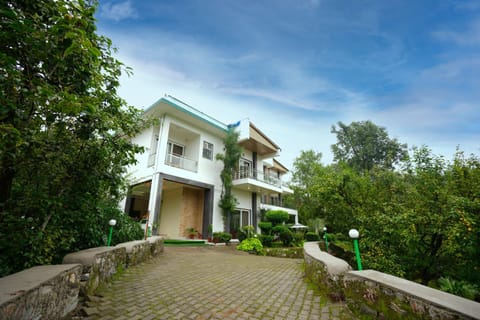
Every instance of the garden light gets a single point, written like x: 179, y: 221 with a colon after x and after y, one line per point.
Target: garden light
x: 112, y: 223
x: 325, y: 236
x: 354, y: 234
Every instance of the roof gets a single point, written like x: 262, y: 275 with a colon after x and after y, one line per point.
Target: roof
x: 188, y: 109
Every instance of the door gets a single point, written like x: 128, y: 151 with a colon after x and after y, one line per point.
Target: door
x: 240, y: 218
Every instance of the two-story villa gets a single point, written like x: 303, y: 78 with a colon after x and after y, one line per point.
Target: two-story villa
x: 176, y: 183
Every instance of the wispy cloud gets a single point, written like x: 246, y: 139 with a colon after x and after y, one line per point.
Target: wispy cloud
x: 468, y: 37
x: 118, y: 11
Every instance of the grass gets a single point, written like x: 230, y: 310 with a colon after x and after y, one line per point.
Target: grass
x: 184, y: 243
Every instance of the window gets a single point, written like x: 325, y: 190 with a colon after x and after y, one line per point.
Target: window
x: 244, y: 168
x: 207, y: 150
x: 176, y: 149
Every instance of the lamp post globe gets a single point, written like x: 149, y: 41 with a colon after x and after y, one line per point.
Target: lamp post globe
x: 353, y: 233
x: 112, y: 222
x: 324, y: 229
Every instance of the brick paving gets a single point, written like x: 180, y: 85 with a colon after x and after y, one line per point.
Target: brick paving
x: 202, y: 283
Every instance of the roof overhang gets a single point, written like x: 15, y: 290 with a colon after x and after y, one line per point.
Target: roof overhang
x: 258, y: 142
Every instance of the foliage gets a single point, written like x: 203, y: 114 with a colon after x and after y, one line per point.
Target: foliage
x: 364, y: 145
x: 222, y: 237
x: 277, y: 216
x: 459, y: 288
x: 266, y: 240
x: 251, y: 244
x: 246, y: 232
x: 298, y: 239
x: 64, y: 132
x: 312, y: 236
x: 307, y: 170
x: 419, y: 221
x: 265, y: 227
x: 231, y: 157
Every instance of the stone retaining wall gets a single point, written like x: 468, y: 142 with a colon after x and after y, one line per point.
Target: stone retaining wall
x: 375, y: 295
x: 52, y: 291
x: 42, y: 292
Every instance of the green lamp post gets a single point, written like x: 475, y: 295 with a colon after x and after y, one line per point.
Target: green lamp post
x: 112, y: 223
x: 354, y: 234
x: 325, y: 236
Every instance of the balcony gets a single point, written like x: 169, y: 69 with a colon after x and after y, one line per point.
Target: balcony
x: 258, y: 181
x: 181, y: 162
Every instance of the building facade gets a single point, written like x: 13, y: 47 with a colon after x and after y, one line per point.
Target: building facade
x: 176, y: 185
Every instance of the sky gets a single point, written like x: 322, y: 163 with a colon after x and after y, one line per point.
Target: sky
x: 295, y: 68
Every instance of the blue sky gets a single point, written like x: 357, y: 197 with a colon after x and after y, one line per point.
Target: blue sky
x: 297, y: 67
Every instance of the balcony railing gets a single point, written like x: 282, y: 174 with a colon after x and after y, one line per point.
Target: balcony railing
x: 181, y: 162
x: 151, y: 160
x: 259, y: 176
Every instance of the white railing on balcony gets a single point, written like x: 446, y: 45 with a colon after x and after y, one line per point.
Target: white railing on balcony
x: 151, y: 160
x: 181, y: 162
x: 257, y: 175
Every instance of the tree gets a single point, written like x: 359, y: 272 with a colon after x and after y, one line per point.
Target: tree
x: 363, y: 145
x: 230, y: 158
x: 306, y: 169
x: 64, y: 131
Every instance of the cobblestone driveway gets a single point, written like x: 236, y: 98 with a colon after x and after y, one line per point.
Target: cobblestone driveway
x: 212, y: 283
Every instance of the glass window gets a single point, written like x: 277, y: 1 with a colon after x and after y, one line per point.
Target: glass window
x: 207, y: 150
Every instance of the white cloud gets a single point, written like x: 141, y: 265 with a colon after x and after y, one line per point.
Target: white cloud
x: 118, y: 11
x: 468, y: 37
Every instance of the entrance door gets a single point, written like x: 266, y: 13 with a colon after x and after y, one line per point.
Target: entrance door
x: 240, y: 218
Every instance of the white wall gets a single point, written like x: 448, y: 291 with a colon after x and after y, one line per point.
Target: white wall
x: 170, y: 212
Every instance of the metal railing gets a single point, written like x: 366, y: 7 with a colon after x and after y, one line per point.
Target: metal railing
x: 257, y: 175
x: 181, y: 162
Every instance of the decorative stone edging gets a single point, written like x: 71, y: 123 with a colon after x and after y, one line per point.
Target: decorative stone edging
x: 52, y: 291
x: 42, y: 292
x: 378, y: 295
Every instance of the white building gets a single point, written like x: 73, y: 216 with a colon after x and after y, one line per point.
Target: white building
x: 176, y: 183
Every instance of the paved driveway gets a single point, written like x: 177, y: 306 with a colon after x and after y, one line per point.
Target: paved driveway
x: 212, y: 283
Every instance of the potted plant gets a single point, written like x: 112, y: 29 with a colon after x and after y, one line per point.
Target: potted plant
x: 191, y: 232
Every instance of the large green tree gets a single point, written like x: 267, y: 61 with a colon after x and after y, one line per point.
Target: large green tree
x: 364, y: 145
x: 64, y: 131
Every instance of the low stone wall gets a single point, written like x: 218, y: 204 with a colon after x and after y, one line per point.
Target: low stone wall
x: 98, y: 265
x: 376, y: 295
x: 42, y: 292
x: 52, y: 291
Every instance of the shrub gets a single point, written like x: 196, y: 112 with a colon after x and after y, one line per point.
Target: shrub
x: 459, y: 288
x: 221, y: 237
x: 246, y: 232
x: 286, y: 237
x: 251, y: 244
x: 298, y: 239
x: 279, y: 229
x: 265, y: 227
x: 312, y: 236
x: 277, y: 216
x: 266, y: 240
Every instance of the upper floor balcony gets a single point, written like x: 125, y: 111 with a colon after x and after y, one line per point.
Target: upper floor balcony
x: 259, y: 181
x: 181, y: 162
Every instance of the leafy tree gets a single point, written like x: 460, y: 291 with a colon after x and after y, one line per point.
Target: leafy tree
x: 305, y: 175
x: 231, y: 157
x: 64, y: 132
x: 363, y: 145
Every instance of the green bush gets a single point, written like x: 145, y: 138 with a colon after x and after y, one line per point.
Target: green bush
x: 312, y: 236
x: 265, y: 227
x: 279, y: 229
x: 277, y: 216
x: 286, y: 237
x: 298, y: 239
x: 266, y: 240
x: 246, y: 232
x: 459, y: 288
x: 221, y: 237
x: 251, y: 244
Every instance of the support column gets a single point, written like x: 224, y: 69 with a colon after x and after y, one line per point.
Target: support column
x: 254, y: 210
x: 156, y: 196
